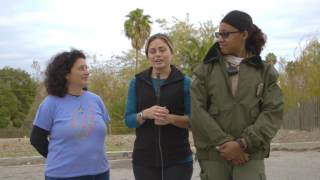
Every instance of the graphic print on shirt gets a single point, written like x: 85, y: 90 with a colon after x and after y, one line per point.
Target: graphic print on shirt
x: 83, y: 121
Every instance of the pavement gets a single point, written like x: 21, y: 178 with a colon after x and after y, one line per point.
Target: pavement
x: 281, y: 165
x: 125, y: 155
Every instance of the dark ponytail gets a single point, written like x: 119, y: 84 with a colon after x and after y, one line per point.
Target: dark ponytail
x: 256, y: 40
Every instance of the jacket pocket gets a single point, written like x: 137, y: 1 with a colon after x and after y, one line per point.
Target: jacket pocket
x: 214, y: 111
x: 262, y: 176
x: 255, y: 110
x: 203, y: 175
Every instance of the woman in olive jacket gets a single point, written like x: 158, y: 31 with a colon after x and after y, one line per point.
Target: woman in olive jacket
x: 236, y: 104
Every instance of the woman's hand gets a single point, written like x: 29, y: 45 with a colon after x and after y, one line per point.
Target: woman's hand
x: 158, y: 113
x: 231, y: 151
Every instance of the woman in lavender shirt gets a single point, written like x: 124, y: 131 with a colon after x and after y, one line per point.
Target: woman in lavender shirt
x: 69, y: 129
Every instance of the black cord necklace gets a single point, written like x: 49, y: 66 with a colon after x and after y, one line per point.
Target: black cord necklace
x: 80, y: 109
x: 232, y: 69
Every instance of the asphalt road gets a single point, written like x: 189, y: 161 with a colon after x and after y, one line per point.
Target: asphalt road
x: 282, y: 165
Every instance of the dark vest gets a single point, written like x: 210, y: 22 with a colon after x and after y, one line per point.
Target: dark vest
x: 168, y: 141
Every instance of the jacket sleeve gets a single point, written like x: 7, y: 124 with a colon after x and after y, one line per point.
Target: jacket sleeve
x: 39, y: 140
x: 201, y: 121
x: 270, y: 118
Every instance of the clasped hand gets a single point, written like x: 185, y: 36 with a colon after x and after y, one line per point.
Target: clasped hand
x: 159, y: 114
x: 231, y: 151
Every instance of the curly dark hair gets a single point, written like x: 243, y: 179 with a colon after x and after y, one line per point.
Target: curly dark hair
x: 256, y: 40
x: 59, y: 66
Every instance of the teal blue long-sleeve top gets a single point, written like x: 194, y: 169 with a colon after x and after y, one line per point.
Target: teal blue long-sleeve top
x: 131, y: 109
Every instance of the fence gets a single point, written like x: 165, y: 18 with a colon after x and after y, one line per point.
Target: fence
x: 305, y: 116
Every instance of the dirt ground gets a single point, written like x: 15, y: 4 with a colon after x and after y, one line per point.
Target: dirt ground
x: 14, y: 147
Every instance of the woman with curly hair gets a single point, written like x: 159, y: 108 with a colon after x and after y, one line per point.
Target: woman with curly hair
x: 70, y: 126
x: 236, y: 104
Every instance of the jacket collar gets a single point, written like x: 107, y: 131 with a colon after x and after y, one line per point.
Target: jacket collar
x: 175, y: 75
x: 214, y: 54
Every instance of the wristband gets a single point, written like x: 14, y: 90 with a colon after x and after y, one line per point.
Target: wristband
x: 140, y: 114
x: 242, y: 146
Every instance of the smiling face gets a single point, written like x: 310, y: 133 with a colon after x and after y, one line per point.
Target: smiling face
x: 79, y: 74
x: 159, y: 54
x: 234, y: 43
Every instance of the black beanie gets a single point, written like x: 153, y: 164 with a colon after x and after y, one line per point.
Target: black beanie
x: 239, y: 19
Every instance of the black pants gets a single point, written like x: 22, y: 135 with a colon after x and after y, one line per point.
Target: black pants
x: 177, y: 172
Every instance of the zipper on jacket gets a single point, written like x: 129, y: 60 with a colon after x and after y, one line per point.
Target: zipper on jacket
x: 161, y: 154
x: 159, y: 127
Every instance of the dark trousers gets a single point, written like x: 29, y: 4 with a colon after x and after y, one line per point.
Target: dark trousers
x: 176, y: 172
x: 102, y: 176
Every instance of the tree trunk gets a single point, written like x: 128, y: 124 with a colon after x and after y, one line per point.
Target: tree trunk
x: 137, y: 53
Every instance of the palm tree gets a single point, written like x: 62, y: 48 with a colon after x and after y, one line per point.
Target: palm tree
x: 137, y: 28
x: 271, y: 58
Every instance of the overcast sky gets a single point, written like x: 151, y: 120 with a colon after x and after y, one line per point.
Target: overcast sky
x: 37, y: 29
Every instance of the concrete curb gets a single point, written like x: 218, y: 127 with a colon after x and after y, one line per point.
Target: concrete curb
x: 29, y: 160
x: 120, y: 155
x: 296, y: 146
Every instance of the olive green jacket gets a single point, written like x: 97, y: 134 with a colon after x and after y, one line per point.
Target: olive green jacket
x: 254, y: 113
